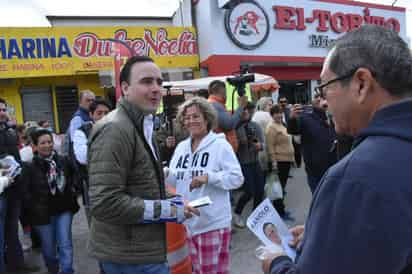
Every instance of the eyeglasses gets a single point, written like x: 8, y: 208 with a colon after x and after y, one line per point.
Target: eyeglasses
x: 320, y: 90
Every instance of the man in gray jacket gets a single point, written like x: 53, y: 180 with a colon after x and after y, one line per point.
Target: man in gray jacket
x: 128, y: 201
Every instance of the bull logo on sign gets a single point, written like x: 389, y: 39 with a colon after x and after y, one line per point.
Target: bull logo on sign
x: 247, y: 24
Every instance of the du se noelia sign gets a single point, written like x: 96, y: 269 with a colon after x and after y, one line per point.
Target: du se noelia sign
x: 66, y: 50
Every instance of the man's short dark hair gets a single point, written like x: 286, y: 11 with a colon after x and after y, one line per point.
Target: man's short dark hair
x: 98, y: 102
x: 215, y: 86
x: 125, y: 73
x: 2, y: 101
x: 382, y: 51
x: 265, y: 225
x: 282, y: 97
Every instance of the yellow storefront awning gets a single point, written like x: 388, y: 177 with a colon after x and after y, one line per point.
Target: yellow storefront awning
x: 58, y: 51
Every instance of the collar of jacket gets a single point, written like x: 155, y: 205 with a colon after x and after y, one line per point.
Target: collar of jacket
x: 133, y: 111
x: 43, y: 163
x: 217, y: 99
x: 83, y: 113
x: 320, y: 112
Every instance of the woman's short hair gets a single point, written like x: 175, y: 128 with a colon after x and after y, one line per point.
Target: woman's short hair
x: 263, y: 102
x: 275, y: 109
x: 207, y: 110
x: 37, y: 133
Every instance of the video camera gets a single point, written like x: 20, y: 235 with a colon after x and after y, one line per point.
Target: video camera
x: 239, y: 82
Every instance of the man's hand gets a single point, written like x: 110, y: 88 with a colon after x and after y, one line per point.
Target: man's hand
x: 268, y: 260
x: 296, y: 110
x: 258, y: 146
x: 198, y: 182
x: 297, y: 233
x: 170, y: 142
x: 242, y: 101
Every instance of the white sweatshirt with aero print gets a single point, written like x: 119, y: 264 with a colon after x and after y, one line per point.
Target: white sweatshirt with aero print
x: 214, y: 157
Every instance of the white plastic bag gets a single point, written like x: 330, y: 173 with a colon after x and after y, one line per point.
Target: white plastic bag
x: 273, y: 188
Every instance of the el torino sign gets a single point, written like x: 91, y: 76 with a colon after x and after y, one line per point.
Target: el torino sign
x: 293, y: 18
x: 65, y: 51
x: 250, y: 23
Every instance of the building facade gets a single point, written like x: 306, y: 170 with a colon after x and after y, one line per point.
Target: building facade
x: 286, y: 39
x: 42, y: 70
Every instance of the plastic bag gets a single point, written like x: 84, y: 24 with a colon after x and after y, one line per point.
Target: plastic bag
x: 273, y: 188
x: 10, y: 167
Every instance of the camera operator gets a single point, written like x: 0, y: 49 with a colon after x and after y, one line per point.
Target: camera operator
x: 251, y: 142
x: 317, y: 138
x: 227, y: 123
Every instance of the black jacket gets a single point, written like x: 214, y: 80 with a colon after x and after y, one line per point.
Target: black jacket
x: 39, y: 203
x: 317, y: 141
x: 9, y: 146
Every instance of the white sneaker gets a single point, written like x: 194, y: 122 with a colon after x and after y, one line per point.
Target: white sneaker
x: 26, y: 242
x: 238, y: 221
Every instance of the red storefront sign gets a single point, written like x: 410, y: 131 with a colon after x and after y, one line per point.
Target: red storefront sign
x: 294, y: 18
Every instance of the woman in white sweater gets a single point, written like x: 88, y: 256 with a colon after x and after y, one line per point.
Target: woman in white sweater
x: 205, y: 165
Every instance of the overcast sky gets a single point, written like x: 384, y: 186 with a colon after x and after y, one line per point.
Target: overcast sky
x: 32, y: 12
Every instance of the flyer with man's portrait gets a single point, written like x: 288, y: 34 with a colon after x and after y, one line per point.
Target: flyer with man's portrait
x: 267, y: 225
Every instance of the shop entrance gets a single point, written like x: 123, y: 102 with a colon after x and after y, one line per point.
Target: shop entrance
x: 297, y: 92
x: 37, y: 105
x: 67, y: 101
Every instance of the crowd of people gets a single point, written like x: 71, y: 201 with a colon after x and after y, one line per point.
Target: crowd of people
x: 354, y: 138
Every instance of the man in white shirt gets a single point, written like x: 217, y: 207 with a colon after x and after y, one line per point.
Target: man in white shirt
x: 98, y: 109
x: 81, y: 116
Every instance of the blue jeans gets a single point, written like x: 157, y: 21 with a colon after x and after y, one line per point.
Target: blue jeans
x: 58, y: 236
x: 254, y: 186
x: 3, y: 209
x: 111, y: 268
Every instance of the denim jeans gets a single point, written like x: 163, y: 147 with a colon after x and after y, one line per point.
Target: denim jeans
x: 254, y: 186
x: 14, y: 251
x: 58, y: 236
x: 111, y: 268
x: 3, y: 209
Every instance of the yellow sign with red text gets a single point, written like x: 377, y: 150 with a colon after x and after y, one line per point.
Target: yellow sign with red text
x: 33, y: 52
